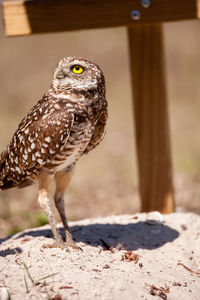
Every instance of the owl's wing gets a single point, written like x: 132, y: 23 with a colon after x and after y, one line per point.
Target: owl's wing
x: 99, y: 132
x: 40, y: 136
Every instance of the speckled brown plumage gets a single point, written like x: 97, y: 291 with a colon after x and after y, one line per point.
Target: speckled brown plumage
x: 68, y: 121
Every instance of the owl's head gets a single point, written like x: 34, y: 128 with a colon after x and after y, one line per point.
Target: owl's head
x: 77, y: 74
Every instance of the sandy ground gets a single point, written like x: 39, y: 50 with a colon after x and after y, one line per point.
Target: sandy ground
x: 141, y: 256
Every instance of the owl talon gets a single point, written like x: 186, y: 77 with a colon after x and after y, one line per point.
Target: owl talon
x: 72, y: 244
x: 75, y: 247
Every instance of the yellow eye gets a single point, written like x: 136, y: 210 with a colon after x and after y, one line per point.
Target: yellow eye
x: 77, y: 69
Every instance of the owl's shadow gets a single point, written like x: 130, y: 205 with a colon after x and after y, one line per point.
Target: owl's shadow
x: 140, y: 235
x: 133, y: 236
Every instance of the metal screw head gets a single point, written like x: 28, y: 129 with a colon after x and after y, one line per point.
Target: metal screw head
x: 135, y: 15
x: 146, y: 3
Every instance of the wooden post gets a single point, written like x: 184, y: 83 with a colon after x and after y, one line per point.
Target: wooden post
x: 22, y: 17
x: 151, y: 117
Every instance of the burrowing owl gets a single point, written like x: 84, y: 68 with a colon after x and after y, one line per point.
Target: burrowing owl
x: 68, y: 121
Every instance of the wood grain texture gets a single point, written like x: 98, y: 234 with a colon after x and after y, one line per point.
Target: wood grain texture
x: 151, y: 117
x: 28, y: 17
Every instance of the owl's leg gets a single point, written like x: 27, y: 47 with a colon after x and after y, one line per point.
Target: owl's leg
x: 45, y: 181
x: 62, y: 180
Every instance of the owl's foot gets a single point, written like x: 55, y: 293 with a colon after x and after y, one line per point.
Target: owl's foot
x: 64, y: 245
x: 70, y: 242
x: 55, y: 244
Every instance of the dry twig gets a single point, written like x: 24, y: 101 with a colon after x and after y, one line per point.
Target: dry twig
x: 188, y: 269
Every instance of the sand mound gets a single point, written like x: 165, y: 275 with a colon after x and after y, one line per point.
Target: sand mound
x: 142, y: 256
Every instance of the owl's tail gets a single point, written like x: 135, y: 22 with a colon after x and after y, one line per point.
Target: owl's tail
x: 2, y: 166
x: 4, y: 182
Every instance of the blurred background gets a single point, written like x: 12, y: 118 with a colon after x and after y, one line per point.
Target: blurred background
x: 105, y: 181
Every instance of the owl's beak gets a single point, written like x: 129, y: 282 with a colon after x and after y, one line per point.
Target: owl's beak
x: 61, y: 78
x: 58, y: 73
